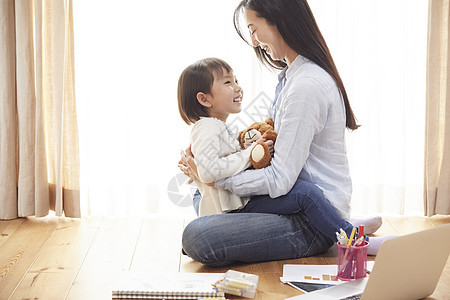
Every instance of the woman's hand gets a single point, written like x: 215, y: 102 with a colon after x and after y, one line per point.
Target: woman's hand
x: 269, y: 144
x: 188, y: 167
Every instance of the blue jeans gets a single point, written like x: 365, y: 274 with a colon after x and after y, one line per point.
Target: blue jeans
x: 305, y: 226
x: 307, y: 198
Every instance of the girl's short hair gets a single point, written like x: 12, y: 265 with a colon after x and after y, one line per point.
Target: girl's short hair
x: 198, y: 77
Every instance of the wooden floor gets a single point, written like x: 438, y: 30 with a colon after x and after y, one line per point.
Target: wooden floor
x: 59, y: 258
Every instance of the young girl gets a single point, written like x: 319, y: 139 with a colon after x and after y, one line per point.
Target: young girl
x: 208, y: 93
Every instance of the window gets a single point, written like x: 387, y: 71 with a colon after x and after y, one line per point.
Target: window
x: 128, y: 56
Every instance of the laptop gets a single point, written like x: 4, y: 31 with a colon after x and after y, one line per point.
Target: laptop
x: 406, y: 267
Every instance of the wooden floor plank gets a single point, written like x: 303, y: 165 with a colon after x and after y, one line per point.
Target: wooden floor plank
x: 406, y: 225
x: 159, y: 245
x: 60, y: 260
x: 20, y: 251
x: 269, y: 284
x: 110, y: 253
x: 386, y: 228
x: 44, y: 285
x: 440, y: 220
x: 7, y: 228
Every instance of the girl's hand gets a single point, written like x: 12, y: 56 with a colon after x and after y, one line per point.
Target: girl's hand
x: 247, y: 144
x: 187, y: 165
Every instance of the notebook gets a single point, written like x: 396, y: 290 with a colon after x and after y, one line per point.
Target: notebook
x: 407, y: 267
x: 144, y: 285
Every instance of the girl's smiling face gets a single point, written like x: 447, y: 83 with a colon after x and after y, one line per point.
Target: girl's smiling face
x: 225, y: 97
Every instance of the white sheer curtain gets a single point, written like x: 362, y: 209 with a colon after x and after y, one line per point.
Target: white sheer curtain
x: 380, y: 50
x: 128, y: 56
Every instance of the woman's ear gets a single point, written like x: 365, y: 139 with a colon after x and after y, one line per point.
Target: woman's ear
x: 203, y: 99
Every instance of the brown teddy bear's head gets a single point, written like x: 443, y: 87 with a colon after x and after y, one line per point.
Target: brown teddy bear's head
x: 256, y: 130
x: 260, y: 156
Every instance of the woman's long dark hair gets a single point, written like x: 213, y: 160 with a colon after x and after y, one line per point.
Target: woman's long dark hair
x: 297, y: 26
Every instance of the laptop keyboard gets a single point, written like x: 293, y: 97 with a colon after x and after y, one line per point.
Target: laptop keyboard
x: 354, y: 297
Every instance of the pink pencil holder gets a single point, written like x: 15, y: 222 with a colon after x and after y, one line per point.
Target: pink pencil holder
x: 352, y: 262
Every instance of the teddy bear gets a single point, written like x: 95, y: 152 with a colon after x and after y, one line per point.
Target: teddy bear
x: 260, y: 156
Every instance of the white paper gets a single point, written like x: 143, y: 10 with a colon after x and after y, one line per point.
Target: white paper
x: 317, y: 273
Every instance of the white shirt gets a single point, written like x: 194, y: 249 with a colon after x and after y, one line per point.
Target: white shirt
x: 217, y: 155
x: 310, y: 119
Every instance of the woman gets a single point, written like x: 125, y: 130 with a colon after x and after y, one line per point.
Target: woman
x: 311, y: 111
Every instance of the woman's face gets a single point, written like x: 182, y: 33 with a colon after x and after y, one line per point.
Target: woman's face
x: 268, y: 37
